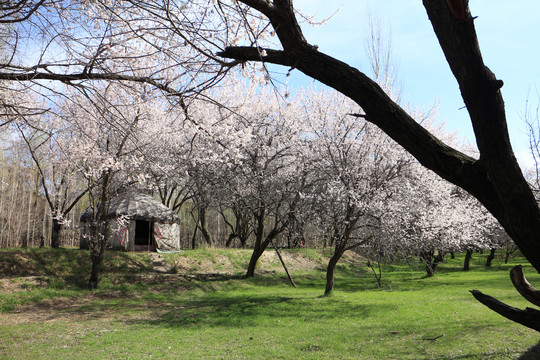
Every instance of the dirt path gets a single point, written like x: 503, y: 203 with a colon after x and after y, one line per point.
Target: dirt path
x: 159, y: 265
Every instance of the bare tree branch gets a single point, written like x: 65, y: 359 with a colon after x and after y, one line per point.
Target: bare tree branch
x: 528, y: 317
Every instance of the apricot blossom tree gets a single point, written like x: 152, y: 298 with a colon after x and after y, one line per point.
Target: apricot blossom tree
x: 184, y: 48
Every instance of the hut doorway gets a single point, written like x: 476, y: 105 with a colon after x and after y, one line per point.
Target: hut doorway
x: 144, y: 240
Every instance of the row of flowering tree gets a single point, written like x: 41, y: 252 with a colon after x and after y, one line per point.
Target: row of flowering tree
x: 240, y: 149
x: 244, y: 154
x: 247, y: 156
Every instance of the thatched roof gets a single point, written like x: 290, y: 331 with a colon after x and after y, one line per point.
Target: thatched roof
x: 136, y: 206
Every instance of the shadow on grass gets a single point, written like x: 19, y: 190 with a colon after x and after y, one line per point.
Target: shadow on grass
x: 67, y: 262
x: 533, y: 353
x: 245, y: 311
x: 209, y: 300
x: 201, y: 300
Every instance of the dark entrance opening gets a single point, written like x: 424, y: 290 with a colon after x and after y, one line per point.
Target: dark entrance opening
x: 144, y: 241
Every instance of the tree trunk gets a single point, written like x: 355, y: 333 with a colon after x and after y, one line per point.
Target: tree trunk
x: 255, y: 255
x: 56, y: 228
x: 99, y: 233
x: 230, y: 239
x: 98, y: 245
x: 467, y: 262
x: 429, y: 270
x: 330, y: 270
x: 438, y: 259
x: 258, y: 247
x: 506, y: 257
x: 428, y: 256
x: 194, y: 238
x: 94, y: 273
x: 378, y: 273
x: 243, y: 241
x: 490, y: 257
x: 202, y: 223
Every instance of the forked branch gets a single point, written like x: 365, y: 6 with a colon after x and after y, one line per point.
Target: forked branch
x: 528, y: 317
x: 523, y: 286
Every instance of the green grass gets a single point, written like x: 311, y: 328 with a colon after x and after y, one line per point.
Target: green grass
x: 215, y: 316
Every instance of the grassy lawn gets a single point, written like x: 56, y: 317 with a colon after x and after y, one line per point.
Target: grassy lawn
x: 136, y: 314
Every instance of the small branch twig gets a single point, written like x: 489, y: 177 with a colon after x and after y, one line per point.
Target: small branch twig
x: 433, y: 339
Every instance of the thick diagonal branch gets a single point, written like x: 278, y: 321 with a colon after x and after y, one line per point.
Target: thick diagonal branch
x: 528, y: 317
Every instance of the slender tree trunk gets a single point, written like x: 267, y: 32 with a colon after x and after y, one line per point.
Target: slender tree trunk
x: 243, y: 241
x: 97, y: 252
x: 468, y: 256
x: 330, y: 270
x: 378, y: 273
x: 283, y: 264
x: 94, y: 274
x: 230, y: 239
x: 26, y: 237
x: 258, y: 247
x: 56, y: 228
x: 258, y: 250
x: 2, y: 210
x: 204, y: 230
x: 431, y: 261
x: 490, y: 257
x: 44, y: 226
x: 99, y: 235
x: 194, y: 238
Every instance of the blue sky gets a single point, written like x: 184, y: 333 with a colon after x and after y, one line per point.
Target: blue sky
x: 508, y: 35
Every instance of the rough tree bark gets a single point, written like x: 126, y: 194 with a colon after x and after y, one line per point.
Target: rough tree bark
x: 495, y: 179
